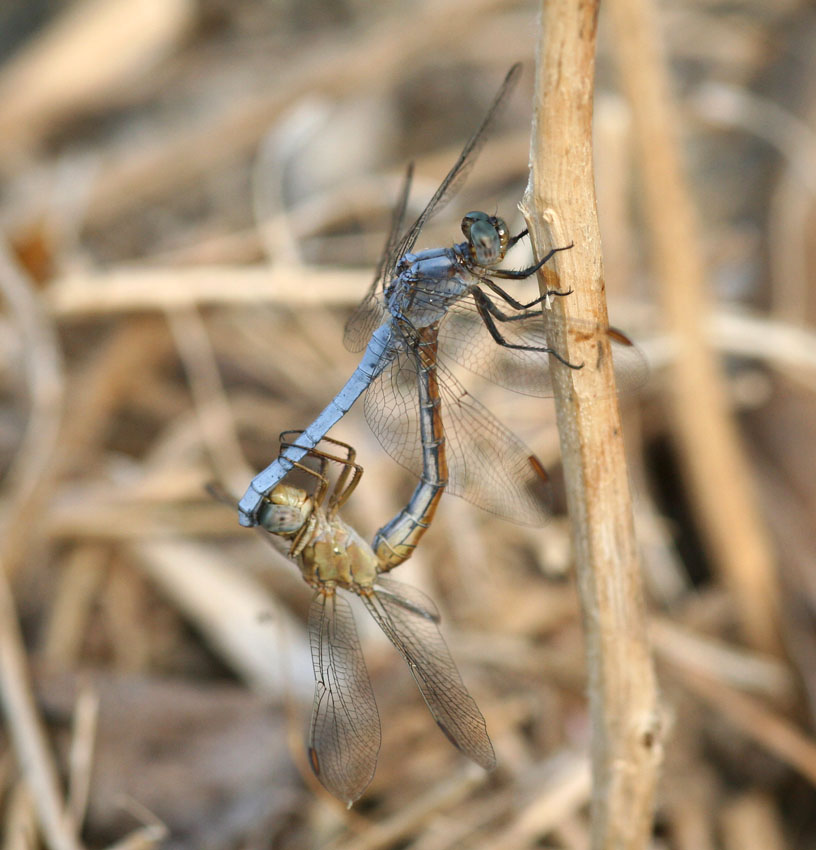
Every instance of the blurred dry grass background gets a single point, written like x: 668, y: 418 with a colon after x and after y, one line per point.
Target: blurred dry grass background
x: 193, y: 197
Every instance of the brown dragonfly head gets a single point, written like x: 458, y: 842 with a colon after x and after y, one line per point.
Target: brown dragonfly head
x: 488, y: 238
x: 285, y: 510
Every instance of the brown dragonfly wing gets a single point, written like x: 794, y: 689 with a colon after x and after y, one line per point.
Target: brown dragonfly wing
x: 410, y: 622
x: 344, y: 741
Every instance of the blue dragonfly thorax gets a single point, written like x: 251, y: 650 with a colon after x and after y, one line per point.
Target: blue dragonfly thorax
x: 427, y: 283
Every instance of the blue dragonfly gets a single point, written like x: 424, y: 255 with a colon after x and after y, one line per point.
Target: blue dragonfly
x: 421, y: 311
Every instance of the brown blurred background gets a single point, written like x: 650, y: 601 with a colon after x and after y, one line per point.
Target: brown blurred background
x: 193, y: 197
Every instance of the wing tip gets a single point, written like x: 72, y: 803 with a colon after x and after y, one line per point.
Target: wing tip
x: 484, y: 755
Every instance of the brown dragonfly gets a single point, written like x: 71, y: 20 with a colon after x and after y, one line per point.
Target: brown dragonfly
x: 345, y: 735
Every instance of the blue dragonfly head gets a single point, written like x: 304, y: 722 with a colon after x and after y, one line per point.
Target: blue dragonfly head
x: 488, y: 238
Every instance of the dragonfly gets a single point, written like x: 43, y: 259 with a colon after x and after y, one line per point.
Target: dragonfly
x: 428, y: 308
x: 345, y: 733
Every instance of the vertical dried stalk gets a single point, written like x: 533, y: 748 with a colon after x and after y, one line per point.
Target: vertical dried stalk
x: 559, y: 206
x: 717, y: 470
x: 31, y: 475
x: 25, y: 730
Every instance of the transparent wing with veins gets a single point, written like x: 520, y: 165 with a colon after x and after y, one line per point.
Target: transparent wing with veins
x: 465, y: 338
x: 368, y: 315
x: 411, y: 622
x: 345, y: 735
x: 458, y: 173
x: 366, y: 318
x: 487, y: 464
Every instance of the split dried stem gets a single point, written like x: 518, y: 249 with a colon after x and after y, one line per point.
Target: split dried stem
x: 559, y: 206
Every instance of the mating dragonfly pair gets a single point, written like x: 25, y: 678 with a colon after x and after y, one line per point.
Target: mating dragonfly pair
x: 442, y: 304
x: 421, y: 310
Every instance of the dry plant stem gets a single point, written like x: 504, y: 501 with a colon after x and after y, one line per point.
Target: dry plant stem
x: 19, y: 818
x: 75, y: 593
x: 129, y: 290
x: 563, y: 794
x: 86, y: 56
x: 722, y: 486
x: 559, y: 206
x: 217, y: 424
x: 83, y: 743
x: 752, y: 822
x: 123, y: 290
x: 25, y: 730
x: 224, y: 604
x: 131, y: 354
x: 389, y: 44
x: 31, y: 474
x: 793, y: 196
x: 730, y: 665
x: 768, y: 728
x: 440, y: 796
x: 146, y: 837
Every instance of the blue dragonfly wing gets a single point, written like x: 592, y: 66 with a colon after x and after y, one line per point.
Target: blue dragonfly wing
x: 459, y: 171
x: 410, y: 621
x: 368, y: 316
x: 365, y: 319
x: 465, y: 338
x: 488, y: 465
x: 344, y: 740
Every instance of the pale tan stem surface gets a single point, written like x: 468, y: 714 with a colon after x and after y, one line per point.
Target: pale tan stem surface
x: 712, y: 454
x: 24, y: 727
x: 560, y: 208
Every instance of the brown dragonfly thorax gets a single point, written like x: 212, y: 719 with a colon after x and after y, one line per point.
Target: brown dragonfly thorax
x: 327, y: 550
x: 336, y: 554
